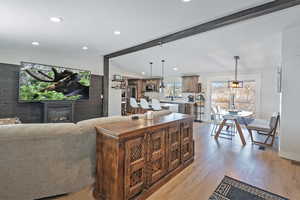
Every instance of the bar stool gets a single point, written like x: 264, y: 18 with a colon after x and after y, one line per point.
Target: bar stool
x: 134, y: 106
x: 156, y: 105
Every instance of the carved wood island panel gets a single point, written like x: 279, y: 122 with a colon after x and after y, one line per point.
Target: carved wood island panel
x: 136, y: 157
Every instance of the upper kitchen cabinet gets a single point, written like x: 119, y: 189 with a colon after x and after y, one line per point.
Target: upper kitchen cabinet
x: 190, y: 84
x: 138, y: 87
x: 151, y: 85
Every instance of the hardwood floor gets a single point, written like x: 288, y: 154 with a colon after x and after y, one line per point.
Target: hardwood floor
x: 214, y: 159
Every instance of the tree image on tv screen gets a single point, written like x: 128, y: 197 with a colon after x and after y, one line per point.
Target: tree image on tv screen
x: 43, y: 83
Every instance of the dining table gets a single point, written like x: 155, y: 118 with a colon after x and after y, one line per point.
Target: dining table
x: 237, y: 117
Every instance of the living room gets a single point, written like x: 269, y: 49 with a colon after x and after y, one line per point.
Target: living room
x: 113, y: 100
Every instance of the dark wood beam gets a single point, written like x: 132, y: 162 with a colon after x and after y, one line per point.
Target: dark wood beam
x: 243, y: 15
x: 105, y: 85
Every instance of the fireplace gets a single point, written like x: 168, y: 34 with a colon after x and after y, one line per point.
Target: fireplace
x: 58, y: 112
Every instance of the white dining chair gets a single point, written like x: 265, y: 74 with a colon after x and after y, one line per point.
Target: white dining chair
x: 156, y: 105
x: 144, y: 104
x: 217, y: 121
x: 264, y: 128
x: 219, y: 110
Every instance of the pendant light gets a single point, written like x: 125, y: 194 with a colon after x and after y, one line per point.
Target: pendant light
x: 235, y: 83
x: 162, y: 85
x: 151, y: 63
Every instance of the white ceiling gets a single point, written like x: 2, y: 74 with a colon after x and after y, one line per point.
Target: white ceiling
x: 256, y: 41
x: 92, y: 23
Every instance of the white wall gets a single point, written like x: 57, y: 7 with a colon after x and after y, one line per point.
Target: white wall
x: 270, y: 98
x: 114, y: 99
x: 83, y: 60
x: 289, y: 126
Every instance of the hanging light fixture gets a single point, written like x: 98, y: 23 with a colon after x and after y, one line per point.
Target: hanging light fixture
x: 151, y: 63
x: 235, y: 83
x: 162, y: 85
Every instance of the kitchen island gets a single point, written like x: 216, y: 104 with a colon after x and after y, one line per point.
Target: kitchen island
x: 183, y: 106
x: 136, y: 157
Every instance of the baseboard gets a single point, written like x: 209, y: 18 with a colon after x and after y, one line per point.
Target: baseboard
x: 290, y: 156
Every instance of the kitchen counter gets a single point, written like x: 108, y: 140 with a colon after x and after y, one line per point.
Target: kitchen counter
x: 181, y: 101
x: 185, y: 107
x: 182, y: 106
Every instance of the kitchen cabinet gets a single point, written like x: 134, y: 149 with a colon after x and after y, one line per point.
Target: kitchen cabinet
x: 190, y: 84
x: 143, y: 85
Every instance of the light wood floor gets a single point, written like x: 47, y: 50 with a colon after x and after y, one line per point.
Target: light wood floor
x: 213, y: 160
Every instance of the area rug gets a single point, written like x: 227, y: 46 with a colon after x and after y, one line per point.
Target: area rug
x: 231, y: 189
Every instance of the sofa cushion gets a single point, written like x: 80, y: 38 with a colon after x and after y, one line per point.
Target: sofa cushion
x: 259, y: 125
x: 29, y: 131
x: 88, y: 126
x: 40, y: 160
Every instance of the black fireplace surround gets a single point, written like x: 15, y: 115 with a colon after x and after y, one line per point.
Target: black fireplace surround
x: 35, y: 112
x: 58, y: 112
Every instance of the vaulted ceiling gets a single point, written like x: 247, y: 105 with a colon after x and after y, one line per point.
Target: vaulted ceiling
x: 256, y: 41
x: 92, y: 23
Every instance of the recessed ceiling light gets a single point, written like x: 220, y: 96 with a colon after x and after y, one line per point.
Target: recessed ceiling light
x: 175, y: 69
x: 117, y: 32
x: 185, y: 0
x: 143, y: 73
x: 85, y: 48
x: 56, y: 19
x: 35, y: 43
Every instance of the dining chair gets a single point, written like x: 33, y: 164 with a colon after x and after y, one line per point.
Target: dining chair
x: 156, y: 105
x: 134, y: 106
x: 144, y: 104
x: 265, y: 128
x: 217, y: 121
x: 218, y: 109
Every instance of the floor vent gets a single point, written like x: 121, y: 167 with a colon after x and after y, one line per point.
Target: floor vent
x: 296, y: 163
x: 262, y: 148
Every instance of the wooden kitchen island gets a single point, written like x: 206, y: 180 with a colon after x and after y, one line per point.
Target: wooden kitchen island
x: 136, y: 157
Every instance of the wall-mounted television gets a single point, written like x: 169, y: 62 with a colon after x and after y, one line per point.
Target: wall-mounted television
x: 39, y: 82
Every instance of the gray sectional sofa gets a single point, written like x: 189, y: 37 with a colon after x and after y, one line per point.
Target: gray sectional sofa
x: 42, y: 160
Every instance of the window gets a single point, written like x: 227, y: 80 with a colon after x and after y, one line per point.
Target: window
x: 173, y: 89
x: 244, y: 98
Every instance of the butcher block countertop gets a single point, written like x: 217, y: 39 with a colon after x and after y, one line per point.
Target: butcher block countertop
x: 122, y: 128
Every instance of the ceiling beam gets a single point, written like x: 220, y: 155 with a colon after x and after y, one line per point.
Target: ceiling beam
x: 243, y: 15
x: 105, y: 86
